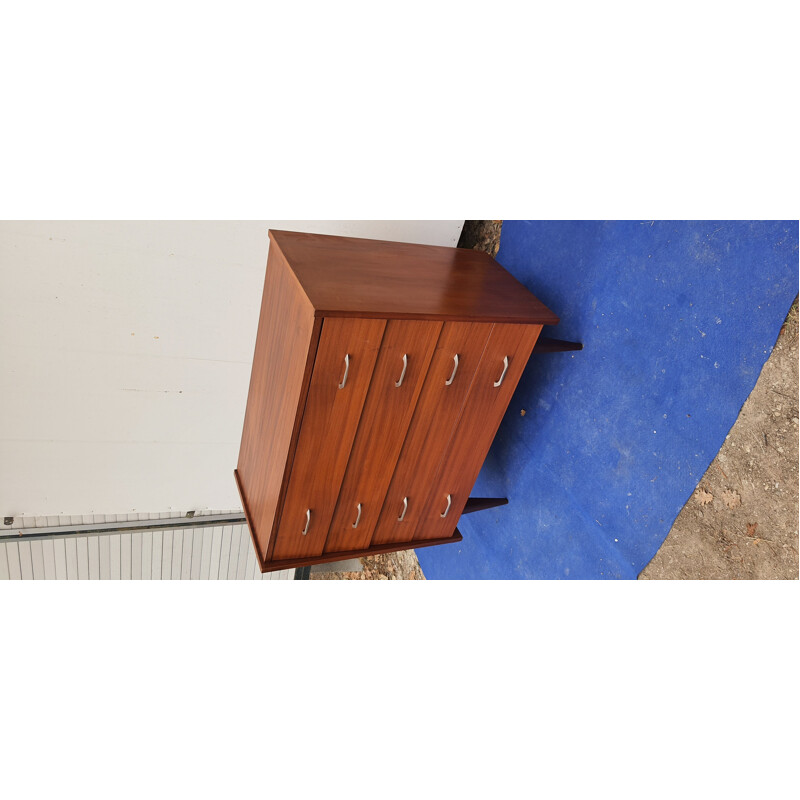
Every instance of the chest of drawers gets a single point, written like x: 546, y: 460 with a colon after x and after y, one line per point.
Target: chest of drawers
x: 380, y: 375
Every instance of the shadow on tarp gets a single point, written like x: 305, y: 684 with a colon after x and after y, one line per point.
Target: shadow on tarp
x: 677, y: 320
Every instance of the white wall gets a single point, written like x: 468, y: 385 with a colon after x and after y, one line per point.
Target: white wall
x: 125, y: 353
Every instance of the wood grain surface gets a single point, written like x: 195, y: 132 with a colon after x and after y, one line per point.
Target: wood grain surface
x: 483, y: 412
x: 382, y: 430
x: 350, y: 277
x: 282, y: 361
x: 329, y: 426
x: 432, y: 425
x: 310, y: 446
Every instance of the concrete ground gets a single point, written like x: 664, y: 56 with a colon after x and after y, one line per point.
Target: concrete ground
x: 742, y: 520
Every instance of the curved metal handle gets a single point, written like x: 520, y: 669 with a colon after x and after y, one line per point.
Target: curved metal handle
x: 405, y: 508
x: 346, y: 370
x: 455, y: 368
x: 448, y: 507
x: 505, y: 369
x: 358, y: 518
x: 403, y: 373
x: 308, y: 521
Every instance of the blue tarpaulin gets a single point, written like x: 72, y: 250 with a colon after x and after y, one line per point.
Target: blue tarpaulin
x: 601, y: 448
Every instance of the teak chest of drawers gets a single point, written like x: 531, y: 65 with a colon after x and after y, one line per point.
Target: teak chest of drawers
x: 380, y: 376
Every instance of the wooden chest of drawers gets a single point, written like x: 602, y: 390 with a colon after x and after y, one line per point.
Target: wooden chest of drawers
x: 380, y: 376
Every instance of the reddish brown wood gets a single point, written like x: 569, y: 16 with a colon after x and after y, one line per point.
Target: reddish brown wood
x: 312, y: 354
x: 382, y: 430
x: 282, y: 362
x: 249, y: 519
x: 330, y: 421
x: 350, y: 277
x: 307, y: 444
x: 432, y: 425
x: 483, y: 412
x: 326, y: 558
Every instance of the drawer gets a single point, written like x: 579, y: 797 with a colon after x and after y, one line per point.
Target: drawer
x: 397, y: 380
x: 340, y: 379
x: 483, y: 411
x: 453, y: 366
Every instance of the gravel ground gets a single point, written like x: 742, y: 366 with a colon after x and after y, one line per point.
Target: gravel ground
x: 402, y: 566
x: 742, y: 520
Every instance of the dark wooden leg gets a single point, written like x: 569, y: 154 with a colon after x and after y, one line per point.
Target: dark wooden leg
x: 546, y: 345
x: 482, y: 503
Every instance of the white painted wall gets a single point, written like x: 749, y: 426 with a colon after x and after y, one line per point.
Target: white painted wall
x: 125, y: 354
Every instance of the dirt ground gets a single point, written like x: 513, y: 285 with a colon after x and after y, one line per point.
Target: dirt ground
x: 742, y: 520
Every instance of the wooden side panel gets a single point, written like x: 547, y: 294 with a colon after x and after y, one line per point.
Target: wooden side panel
x: 284, y: 354
x: 346, y: 347
x: 382, y: 430
x: 432, y: 425
x: 483, y: 412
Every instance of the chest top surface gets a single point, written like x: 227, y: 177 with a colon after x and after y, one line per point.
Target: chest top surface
x: 348, y: 277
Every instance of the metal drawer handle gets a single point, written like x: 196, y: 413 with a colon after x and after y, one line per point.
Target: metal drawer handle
x: 455, y: 368
x: 505, y: 369
x: 405, y: 508
x: 448, y: 507
x: 346, y: 370
x: 308, y: 521
x: 403, y: 373
x: 358, y: 518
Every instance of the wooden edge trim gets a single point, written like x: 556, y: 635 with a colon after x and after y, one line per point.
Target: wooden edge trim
x: 249, y: 519
x: 325, y: 558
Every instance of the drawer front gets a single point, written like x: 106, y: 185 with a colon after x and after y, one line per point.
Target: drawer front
x: 404, y: 358
x: 440, y: 403
x: 484, y: 409
x: 342, y: 372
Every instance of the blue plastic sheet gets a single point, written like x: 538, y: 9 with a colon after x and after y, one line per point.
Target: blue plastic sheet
x: 677, y: 320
